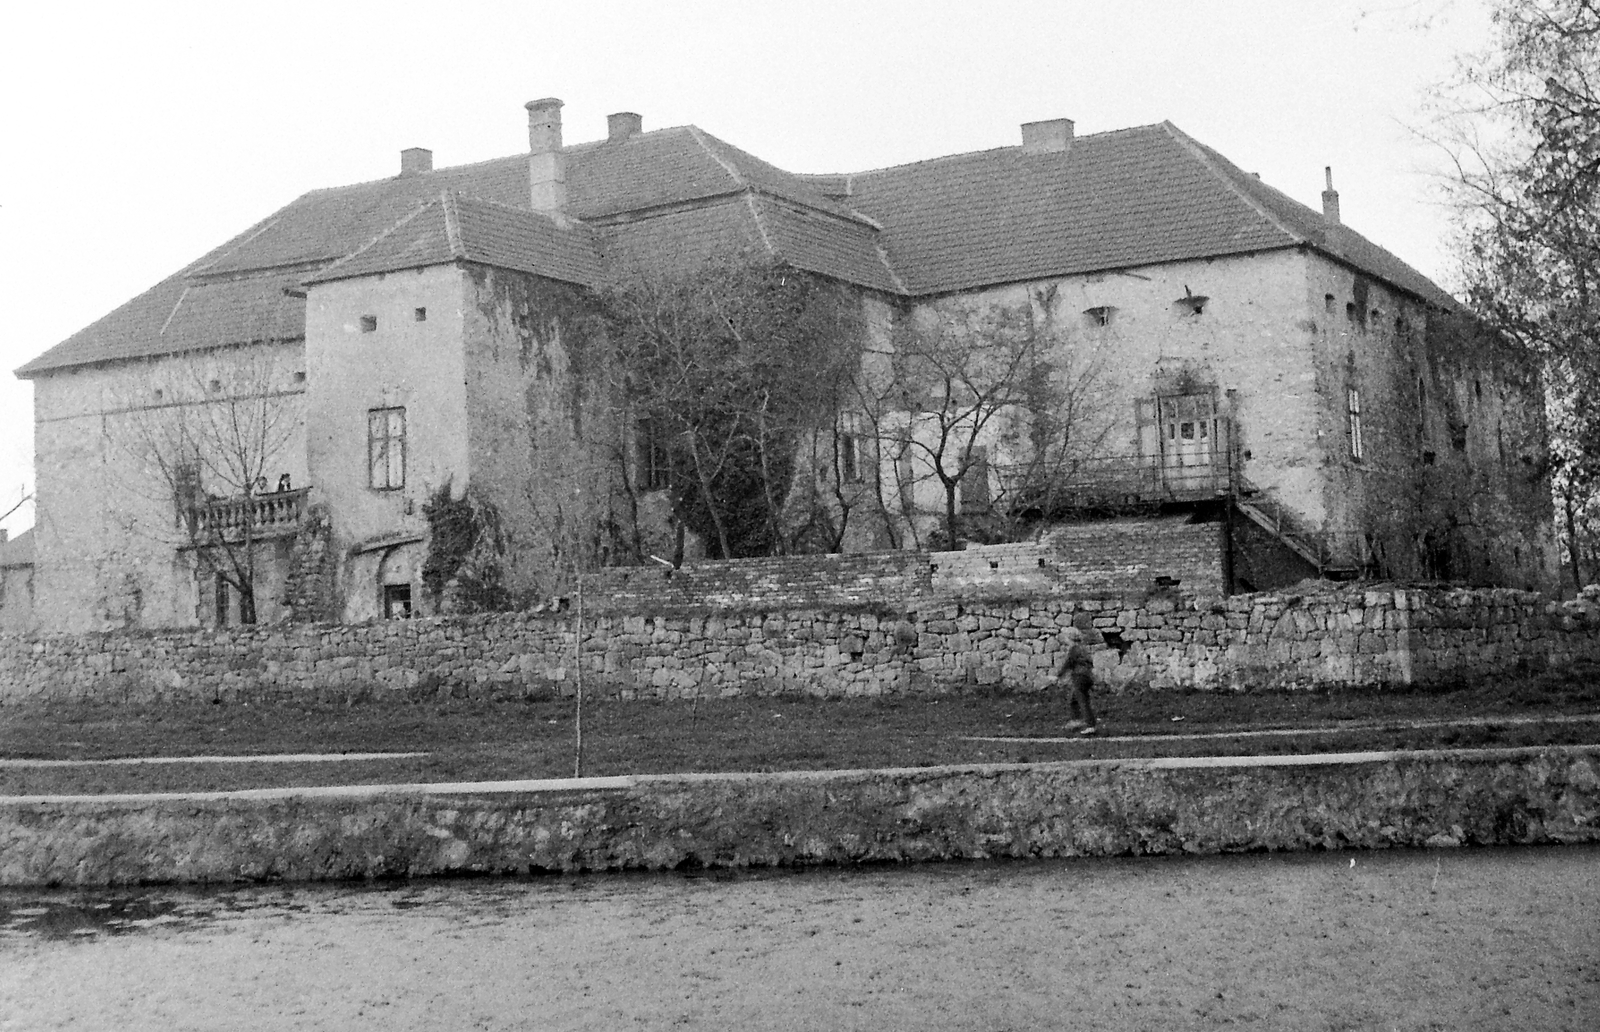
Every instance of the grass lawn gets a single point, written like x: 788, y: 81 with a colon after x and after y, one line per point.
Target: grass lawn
x: 471, y: 740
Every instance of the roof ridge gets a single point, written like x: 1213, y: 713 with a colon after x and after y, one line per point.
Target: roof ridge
x: 1200, y: 152
x: 418, y: 210
x: 200, y: 264
x: 761, y: 227
x: 727, y: 166
x: 448, y: 199
x: 173, y: 314
x: 1015, y: 148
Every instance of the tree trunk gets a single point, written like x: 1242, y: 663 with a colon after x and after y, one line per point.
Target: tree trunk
x: 1573, y: 551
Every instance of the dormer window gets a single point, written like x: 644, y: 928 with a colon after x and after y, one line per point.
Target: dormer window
x: 1191, y: 305
x: 1099, y: 315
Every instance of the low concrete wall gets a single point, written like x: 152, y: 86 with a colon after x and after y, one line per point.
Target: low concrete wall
x: 1084, y: 808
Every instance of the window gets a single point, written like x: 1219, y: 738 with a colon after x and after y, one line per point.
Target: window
x: 419, y: 314
x: 397, y: 601
x: 1328, y: 303
x: 386, y: 449
x: 1353, y: 409
x: 850, y: 444
x: 655, y: 460
x: 369, y: 324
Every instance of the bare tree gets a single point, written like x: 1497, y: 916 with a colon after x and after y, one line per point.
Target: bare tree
x: 728, y: 365
x: 1000, y: 412
x: 209, y: 438
x: 1521, y: 125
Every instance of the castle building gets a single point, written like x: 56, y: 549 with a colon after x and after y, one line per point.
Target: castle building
x: 295, y: 415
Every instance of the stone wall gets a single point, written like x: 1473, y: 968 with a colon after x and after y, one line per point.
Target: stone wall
x: 1083, y: 808
x: 1105, y: 559
x: 1163, y: 640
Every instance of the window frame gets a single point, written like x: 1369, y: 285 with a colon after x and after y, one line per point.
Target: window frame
x: 386, y: 440
x: 1352, y: 406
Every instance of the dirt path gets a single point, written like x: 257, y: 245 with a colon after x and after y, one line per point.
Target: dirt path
x: 1481, y: 939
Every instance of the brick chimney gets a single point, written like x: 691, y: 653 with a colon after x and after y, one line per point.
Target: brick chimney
x: 1330, y: 199
x: 622, y: 125
x: 414, y: 160
x: 1053, y: 136
x: 547, y: 166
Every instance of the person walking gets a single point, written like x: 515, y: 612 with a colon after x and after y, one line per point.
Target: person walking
x: 1074, y: 670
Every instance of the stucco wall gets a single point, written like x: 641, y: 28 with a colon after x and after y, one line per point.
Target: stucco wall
x: 106, y: 537
x: 1451, y: 482
x: 544, y: 439
x: 419, y: 366
x: 1086, y: 808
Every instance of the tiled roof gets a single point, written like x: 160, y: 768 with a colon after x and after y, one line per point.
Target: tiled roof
x: 1114, y: 200
x: 450, y: 228
x: 1134, y: 197
x: 186, y: 314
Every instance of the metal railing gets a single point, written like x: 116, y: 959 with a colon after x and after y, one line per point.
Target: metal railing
x: 1111, y: 479
x: 267, y: 515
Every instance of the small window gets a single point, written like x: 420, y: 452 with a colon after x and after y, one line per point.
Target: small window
x: 1099, y: 315
x: 1353, y: 410
x: 369, y: 324
x: 160, y: 394
x: 1458, y: 436
x: 1429, y: 458
x: 1327, y: 303
x: 850, y: 447
x: 386, y: 449
x: 1477, y: 389
x: 1186, y: 431
x: 300, y: 376
x: 419, y: 314
x: 214, y: 386
x: 1350, y: 312
x: 397, y: 601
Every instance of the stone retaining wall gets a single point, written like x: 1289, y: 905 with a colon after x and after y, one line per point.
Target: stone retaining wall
x: 1084, y: 808
x: 1121, y: 558
x: 1246, y: 642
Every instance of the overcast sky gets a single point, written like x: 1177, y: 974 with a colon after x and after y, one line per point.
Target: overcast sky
x: 135, y: 137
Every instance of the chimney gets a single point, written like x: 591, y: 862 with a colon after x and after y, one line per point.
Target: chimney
x: 414, y: 160
x: 1049, y: 137
x: 1330, y: 199
x: 622, y: 125
x: 547, y: 166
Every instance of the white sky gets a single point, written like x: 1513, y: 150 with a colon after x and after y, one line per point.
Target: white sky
x: 134, y: 137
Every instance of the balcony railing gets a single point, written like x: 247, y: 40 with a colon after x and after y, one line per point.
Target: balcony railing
x: 1114, y: 480
x: 259, y: 516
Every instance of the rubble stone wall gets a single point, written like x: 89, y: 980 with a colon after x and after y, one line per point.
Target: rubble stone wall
x: 1160, y: 641
x: 1082, y: 808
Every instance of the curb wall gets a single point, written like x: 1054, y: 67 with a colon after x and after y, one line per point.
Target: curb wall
x: 655, y: 822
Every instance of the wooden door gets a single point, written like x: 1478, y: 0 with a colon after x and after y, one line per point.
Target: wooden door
x: 1189, y: 431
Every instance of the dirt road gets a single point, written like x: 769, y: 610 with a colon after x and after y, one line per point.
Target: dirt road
x: 1475, y: 939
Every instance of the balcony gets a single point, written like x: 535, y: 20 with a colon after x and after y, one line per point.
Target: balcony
x: 1111, y: 481
x: 254, y: 518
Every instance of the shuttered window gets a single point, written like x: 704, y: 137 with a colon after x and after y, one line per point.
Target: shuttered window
x: 386, y: 449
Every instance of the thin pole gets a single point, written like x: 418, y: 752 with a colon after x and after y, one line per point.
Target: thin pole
x: 577, y: 650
